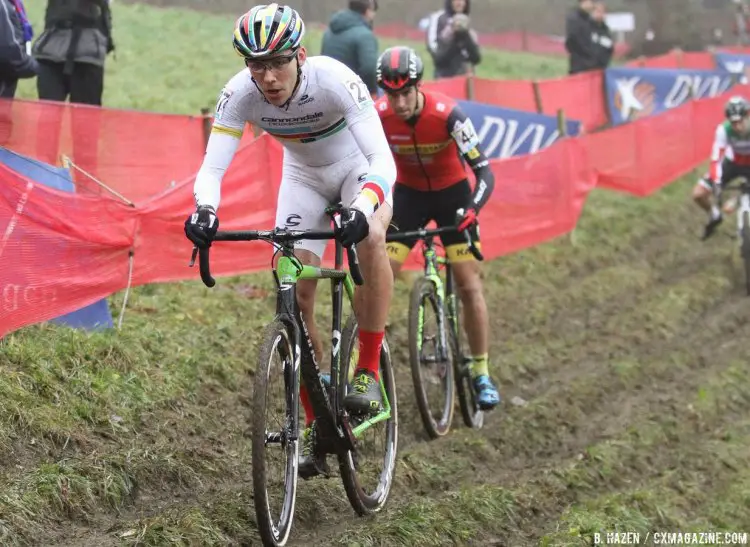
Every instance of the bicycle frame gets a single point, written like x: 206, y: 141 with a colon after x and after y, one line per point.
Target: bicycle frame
x: 334, y: 422
x: 431, y: 271
x: 288, y: 271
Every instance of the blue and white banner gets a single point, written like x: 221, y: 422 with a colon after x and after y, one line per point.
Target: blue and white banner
x: 504, y: 132
x: 634, y: 93
x: 734, y: 63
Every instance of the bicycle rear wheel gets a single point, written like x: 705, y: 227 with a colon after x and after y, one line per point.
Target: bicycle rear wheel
x: 467, y: 398
x: 274, y: 493
x: 745, y: 247
x: 431, y: 372
x: 367, y: 473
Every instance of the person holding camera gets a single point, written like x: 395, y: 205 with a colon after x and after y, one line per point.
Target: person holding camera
x: 454, y: 46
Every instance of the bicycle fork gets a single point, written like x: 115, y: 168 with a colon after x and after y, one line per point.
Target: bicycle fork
x: 442, y: 345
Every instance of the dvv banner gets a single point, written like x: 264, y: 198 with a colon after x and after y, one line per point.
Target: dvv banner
x: 504, y: 132
x: 634, y: 93
x: 734, y: 63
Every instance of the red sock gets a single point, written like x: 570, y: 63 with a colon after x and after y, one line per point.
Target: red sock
x: 307, y: 405
x: 369, y: 351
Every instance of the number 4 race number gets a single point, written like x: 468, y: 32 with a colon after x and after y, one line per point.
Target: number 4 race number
x: 465, y: 136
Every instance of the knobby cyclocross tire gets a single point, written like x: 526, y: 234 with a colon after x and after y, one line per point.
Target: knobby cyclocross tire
x: 467, y: 399
x: 424, y: 298
x: 363, y: 502
x: 274, y: 531
x: 745, y: 249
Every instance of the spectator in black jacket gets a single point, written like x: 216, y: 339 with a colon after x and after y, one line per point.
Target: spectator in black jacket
x: 15, y: 62
x: 604, y: 45
x: 71, y: 51
x: 578, y: 38
x: 453, y: 45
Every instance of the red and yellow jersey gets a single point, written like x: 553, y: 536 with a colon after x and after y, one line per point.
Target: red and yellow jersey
x: 431, y: 150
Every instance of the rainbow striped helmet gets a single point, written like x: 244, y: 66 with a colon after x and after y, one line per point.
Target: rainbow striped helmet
x: 267, y: 30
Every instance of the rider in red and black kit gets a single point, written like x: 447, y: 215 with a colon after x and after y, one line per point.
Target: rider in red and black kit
x: 432, y: 141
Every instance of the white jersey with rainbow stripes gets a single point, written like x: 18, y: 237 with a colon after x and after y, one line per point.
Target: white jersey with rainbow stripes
x: 330, y: 117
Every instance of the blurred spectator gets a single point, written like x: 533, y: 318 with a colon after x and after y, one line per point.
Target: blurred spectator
x: 71, y: 51
x: 717, y: 37
x: 742, y: 23
x: 579, y: 32
x: 350, y: 39
x: 454, y: 46
x: 601, y: 35
x: 15, y: 60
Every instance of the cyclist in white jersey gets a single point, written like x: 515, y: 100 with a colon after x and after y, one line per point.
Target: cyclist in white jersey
x: 730, y: 158
x: 334, y: 150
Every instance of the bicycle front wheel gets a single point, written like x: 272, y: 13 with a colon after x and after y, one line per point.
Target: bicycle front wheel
x: 367, y: 473
x: 431, y: 359
x: 274, y: 437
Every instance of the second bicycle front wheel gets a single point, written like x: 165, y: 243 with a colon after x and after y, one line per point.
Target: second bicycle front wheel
x: 274, y: 436
x: 367, y: 472
x: 431, y: 359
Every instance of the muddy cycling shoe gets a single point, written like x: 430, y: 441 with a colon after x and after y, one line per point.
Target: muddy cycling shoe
x: 309, y: 465
x: 711, y: 226
x: 364, y: 396
x: 325, y: 377
x: 487, y: 395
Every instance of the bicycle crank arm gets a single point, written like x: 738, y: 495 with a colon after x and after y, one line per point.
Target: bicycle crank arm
x: 346, y: 441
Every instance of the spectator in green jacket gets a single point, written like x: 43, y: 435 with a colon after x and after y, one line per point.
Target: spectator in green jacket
x: 349, y: 39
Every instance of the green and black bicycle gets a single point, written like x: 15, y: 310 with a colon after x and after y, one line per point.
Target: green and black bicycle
x: 436, y: 356
x: 286, y: 352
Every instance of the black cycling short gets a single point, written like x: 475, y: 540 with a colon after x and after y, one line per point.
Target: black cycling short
x: 730, y: 171
x: 413, y: 209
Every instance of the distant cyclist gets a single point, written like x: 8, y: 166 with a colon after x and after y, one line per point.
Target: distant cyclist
x: 334, y: 149
x: 730, y: 158
x: 431, y: 138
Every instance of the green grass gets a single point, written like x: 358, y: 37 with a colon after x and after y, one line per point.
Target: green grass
x: 176, y: 61
x: 625, y: 346
x: 628, y: 353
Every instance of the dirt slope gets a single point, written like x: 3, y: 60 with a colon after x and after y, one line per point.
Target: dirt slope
x: 625, y: 344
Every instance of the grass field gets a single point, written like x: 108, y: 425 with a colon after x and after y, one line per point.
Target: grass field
x: 625, y: 355
x: 177, y: 61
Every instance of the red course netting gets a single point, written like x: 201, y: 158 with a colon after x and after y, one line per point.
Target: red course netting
x: 698, y: 60
x: 453, y: 87
x: 60, y: 251
x: 65, y: 250
x: 518, y: 94
x: 580, y: 96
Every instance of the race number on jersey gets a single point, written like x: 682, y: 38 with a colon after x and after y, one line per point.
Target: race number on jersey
x: 358, y: 90
x: 222, y: 102
x: 465, y: 136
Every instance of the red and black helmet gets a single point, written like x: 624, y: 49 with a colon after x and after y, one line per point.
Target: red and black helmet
x: 399, y: 67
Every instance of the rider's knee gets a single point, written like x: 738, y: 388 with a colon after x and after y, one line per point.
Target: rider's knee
x: 376, y: 236
x: 469, y: 287
x: 702, y: 189
x: 306, y: 295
